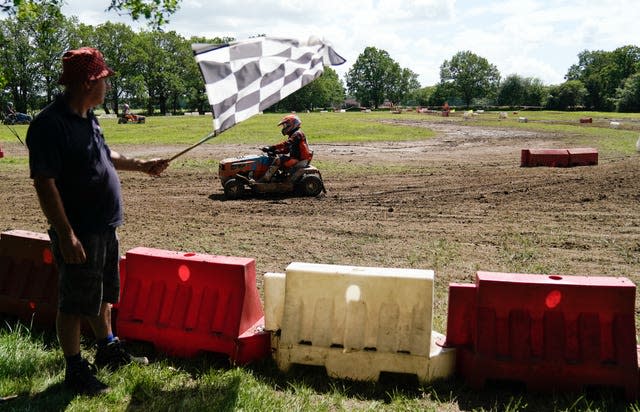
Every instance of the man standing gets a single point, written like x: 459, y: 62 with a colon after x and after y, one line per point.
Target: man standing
x: 74, y: 174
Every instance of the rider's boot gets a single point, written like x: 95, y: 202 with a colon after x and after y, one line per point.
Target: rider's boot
x: 270, y: 172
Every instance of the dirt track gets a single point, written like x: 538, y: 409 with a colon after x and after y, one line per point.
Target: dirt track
x: 463, y: 204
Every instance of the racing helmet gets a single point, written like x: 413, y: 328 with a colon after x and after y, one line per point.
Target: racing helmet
x: 290, y: 124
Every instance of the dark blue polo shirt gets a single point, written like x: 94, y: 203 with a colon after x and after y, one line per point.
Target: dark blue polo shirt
x: 72, y: 150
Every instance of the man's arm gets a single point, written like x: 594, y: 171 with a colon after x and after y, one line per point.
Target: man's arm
x: 51, y: 204
x: 153, y: 167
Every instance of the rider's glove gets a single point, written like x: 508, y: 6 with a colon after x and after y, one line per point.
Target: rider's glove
x: 267, y: 149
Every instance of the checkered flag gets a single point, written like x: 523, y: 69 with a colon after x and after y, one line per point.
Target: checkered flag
x: 243, y: 78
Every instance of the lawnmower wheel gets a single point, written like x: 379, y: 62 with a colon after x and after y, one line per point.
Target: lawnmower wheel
x: 233, y: 189
x: 311, y: 185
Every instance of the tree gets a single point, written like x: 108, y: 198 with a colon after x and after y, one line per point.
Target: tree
x: 116, y: 42
x: 159, y: 59
x: 21, y: 73
x: 421, y: 96
x: 375, y: 76
x: 51, y: 34
x: 325, y: 91
x: 511, y: 91
x: 156, y: 12
x: 368, y: 77
x: 443, y: 93
x: 628, y: 97
x: 603, y: 73
x: 516, y: 90
x: 406, y: 81
x: 470, y: 75
x: 569, y: 94
x: 536, y: 92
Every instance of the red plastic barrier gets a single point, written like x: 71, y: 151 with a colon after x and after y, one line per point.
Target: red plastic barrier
x: 586, y: 120
x: 186, y: 303
x: 549, y: 332
x: 1, y: 153
x: 585, y: 156
x: 28, y: 278
x: 460, y: 315
x: 544, y: 157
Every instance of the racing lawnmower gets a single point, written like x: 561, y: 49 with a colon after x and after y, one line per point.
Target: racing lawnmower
x: 242, y: 175
x: 131, y: 118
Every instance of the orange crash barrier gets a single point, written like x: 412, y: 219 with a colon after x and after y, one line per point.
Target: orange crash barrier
x: 548, y: 332
x: 28, y: 278
x: 584, y: 156
x: 544, y: 157
x: 187, y: 303
x: 559, y: 157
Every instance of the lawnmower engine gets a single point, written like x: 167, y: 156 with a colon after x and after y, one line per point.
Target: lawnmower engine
x: 241, y: 175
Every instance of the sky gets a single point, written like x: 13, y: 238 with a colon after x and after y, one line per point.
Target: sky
x: 531, y: 38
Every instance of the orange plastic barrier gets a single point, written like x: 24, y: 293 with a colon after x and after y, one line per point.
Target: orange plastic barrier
x: 1, y: 153
x: 28, y: 278
x: 584, y: 156
x: 549, y: 332
x: 186, y: 303
x: 544, y: 157
x: 586, y: 120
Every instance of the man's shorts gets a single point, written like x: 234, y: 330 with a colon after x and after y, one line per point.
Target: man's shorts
x: 83, y: 287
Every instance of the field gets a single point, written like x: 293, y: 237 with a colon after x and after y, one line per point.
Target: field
x: 403, y: 190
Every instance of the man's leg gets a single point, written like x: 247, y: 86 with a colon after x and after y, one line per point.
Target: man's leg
x: 79, y: 375
x: 68, y: 328
x: 111, y: 353
x: 101, y: 324
x: 76, y: 296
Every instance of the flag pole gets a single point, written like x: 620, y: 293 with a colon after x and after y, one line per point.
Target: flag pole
x: 204, y: 139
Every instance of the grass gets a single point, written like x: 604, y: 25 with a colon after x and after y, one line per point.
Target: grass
x: 31, y: 363
x: 31, y: 367
x: 352, y: 127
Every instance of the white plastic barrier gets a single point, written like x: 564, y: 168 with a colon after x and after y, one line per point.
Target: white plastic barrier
x: 355, y: 321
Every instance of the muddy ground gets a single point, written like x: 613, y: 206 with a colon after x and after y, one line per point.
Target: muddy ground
x: 457, y: 203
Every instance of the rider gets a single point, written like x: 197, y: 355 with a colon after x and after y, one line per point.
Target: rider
x: 292, y: 152
x: 10, y: 109
x: 17, y: 116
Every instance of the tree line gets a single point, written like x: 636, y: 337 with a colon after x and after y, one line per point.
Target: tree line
x: 601, y: 81
x: 155, y: 70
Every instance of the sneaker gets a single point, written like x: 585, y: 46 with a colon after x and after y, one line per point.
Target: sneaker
x: 114, y: 356
x: 81, y: 379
